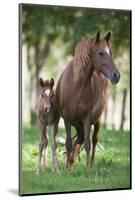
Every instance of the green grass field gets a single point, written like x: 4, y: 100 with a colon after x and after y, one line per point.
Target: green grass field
x: 110, y: 171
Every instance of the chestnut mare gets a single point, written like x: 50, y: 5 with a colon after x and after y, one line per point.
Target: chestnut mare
x: 81, y: 93
x: 47, y: 115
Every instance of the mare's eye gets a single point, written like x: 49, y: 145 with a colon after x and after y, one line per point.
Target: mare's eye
x: 101, y: 53
x: 42, y: 95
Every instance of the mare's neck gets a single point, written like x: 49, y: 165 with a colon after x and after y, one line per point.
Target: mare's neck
x: 85, y: 78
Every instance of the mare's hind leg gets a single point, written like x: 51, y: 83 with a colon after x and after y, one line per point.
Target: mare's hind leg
x: 78, y: 143
x: 95, y: 139
x: 42, y: 146
x: 54, y: 129
x: 68, y: 143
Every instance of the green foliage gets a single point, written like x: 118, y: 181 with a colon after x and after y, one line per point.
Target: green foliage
x: 70, y: 25
x: 110, y: 171
x: 51, y: 34
x: 38, y: 24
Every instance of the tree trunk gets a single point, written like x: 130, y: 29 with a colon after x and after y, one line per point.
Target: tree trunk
x: 105, y: 113
x: 123, y: 109
x: 41, y: 54
x: 30, y: 66
x: 38, y: 68
x: 113, y: 107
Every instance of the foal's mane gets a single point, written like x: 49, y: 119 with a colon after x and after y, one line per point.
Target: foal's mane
x: 83, y: 57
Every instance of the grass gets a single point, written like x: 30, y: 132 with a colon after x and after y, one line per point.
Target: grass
x: 110, y: 171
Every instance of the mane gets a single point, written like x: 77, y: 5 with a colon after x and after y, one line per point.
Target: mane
x: 82, y: 57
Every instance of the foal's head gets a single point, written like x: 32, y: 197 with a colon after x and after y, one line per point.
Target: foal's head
x: 47, y: 95
x: 102, y: 58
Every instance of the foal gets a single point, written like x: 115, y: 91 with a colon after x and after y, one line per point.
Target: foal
x: 47, y: 115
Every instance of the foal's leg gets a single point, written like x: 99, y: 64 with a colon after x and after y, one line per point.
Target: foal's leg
x: 78, y: 143
x: 54, y: 129
x: 87, y: 143
x: 45, y: 153
x: 68, y: 142
x: 95, y: 139
x: 42, y: 146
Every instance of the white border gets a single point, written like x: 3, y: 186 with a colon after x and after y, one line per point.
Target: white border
x: 9, y: 98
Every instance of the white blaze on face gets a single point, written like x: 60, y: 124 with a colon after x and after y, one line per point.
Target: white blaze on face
x: 47, y: 92
x: 107, y: 50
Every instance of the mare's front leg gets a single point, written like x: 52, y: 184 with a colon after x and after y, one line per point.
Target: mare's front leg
x: 68, y: 143
x: 95, y: 139
x: 54, y: 130
x: 87, y: 142
x: 43, y: 142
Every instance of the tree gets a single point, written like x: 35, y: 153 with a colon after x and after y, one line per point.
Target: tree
x: 43, y: 25
x: 38, y: 35
x: 123, y: 108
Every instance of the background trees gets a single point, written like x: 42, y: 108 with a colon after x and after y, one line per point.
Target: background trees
x: 50, y: 35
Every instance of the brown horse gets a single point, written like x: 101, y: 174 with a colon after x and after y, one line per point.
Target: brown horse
x: 81, y: 93
x: 47, y: 115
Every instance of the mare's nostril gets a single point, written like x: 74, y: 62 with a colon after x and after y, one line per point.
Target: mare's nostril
x: 115, y: 76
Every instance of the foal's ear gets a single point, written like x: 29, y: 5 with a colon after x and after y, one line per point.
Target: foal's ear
x: 52, y: 82
x: 98, y: 37
x: 108, y: 36
x: 41, y: 82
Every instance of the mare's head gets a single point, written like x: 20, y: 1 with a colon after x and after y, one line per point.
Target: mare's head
x: 102, y: 58
x: 95, y: 53
x: 47, y: 95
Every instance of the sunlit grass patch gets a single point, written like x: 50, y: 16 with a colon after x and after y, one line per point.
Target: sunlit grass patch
x: 110, y: 171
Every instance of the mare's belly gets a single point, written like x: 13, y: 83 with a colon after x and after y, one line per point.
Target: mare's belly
x: 74, y: 111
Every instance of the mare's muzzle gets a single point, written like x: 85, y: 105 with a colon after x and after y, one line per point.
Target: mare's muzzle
x: 115, y: 77
x: 112, y: 74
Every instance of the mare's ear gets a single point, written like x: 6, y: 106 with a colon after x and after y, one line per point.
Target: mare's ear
x: 41, y: 82
x: 108, y: 36
x: 52, y: 82
x: 98, y: 37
